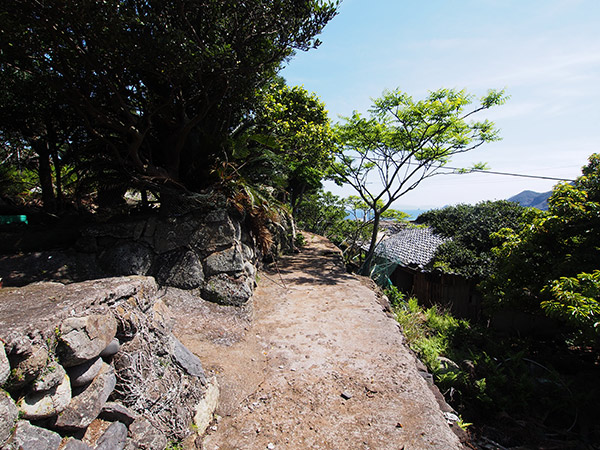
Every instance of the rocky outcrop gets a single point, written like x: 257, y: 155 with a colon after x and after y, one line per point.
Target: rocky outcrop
x: 95, y: 359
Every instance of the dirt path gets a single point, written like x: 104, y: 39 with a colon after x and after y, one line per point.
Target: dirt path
x: 317, y: 365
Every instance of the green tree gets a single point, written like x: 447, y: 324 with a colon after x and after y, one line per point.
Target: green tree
x: 404, y: 142
x: 552, y: 261
x: 159, y: 85
x: 469, y: 253
x: 289, y: 135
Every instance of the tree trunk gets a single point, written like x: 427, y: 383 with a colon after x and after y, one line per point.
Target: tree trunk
x: 365, y: 269
x: 45, y: 175
x: 58, y: 177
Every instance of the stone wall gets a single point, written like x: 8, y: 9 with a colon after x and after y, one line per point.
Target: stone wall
x: 207, y: 250
x: 95, y: 365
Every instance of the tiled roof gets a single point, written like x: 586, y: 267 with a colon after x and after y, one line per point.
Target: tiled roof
x: 410, y: 247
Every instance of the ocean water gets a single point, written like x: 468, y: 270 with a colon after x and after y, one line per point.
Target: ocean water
x: 414, y: 213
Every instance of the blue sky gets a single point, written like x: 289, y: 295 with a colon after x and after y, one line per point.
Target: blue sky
x: 545, y: 53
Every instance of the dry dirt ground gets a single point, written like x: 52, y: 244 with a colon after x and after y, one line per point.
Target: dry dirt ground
x: 314, y: 363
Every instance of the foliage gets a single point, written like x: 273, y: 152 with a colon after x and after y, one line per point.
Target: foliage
x: 300, y: 240
x: 470, y: 226
x: 289, y: 136
x: 322, y: 213
x: 494, y: 375
x: 551, y: 261
x: 151, y: 90
x: 575, y: 299
x: 404, y: 142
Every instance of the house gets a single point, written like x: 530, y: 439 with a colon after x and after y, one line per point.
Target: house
x: 403, y: 258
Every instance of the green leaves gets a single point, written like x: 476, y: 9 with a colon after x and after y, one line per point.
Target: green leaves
x: 576, y: 300
x: 551, y: 262
x: 471, y: 228
x: 404, y: 141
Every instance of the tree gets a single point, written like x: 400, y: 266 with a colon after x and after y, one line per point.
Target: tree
x: 158, y: 84
x: 404, y: 142
x: 289, y: 135
x: 469, y: 253
x: 551, y: 262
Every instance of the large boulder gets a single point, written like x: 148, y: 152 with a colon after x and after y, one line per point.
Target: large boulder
x: 86, y: 406
x: 179, y: 268
x: 42, y: 405
x: 84, y: 338
x: 174, y: 233
x: 218, y: 231
x: 234, y: 290
x: 230, y: 260
x: 51, y: 376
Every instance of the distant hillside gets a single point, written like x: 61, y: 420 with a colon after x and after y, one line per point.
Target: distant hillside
x: 537, y: 200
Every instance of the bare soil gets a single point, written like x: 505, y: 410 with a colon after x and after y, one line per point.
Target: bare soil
x: 314, y: 363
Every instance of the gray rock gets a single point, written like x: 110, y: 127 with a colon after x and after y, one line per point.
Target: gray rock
x: 175, y: 233
x: 42, y: 405
x: 146, y: 436
x: 127, y: 258
x: 111, y: 349
x: 51, y: 377
x: 250, y: 270
x: 186, y: 359
x: 179, y: 268
x: 76, y: 444
x: 85, y: 373
x: 210, y: 237
x: 86, y: 406
x: 225, y: 261
x: 216, y: 216
x: 29, y: 368
x: 115, y: 412
x: 4, y: 365
x: 113, y: 438
x: 227, y: 289
x: 83, y: 338
x: 8, y: 416
x: 30, y: 437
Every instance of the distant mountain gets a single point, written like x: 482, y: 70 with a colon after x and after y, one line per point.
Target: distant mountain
x: 537, y: 200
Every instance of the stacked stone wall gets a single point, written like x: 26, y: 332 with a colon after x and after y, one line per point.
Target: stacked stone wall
x: 208, y: 251
x: 94, y: 365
